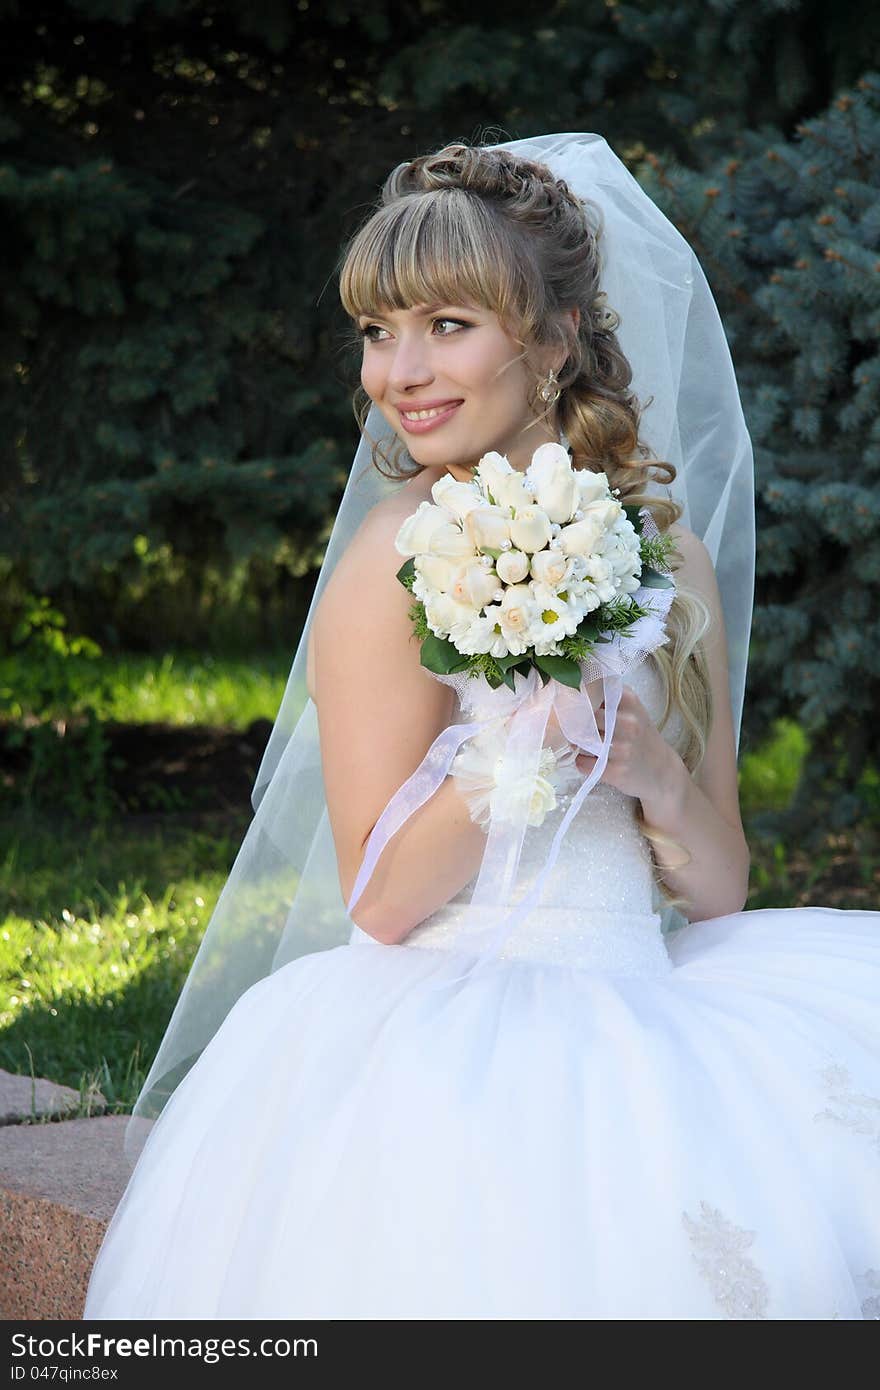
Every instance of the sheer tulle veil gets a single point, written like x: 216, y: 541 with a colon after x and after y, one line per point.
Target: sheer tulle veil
x: 282, y: 899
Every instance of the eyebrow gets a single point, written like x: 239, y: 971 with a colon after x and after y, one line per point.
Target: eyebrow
x: 423, y: 313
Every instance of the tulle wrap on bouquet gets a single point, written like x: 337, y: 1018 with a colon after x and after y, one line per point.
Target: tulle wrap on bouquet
x: 525, y: 712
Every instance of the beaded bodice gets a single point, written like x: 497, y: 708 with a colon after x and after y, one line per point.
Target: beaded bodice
x: 599, y: 906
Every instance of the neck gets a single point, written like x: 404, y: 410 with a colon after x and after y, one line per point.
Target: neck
x: 518, y: 455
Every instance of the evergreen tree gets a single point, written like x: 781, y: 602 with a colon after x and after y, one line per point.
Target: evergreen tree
x: 788, y: 231
x: 175, y: 182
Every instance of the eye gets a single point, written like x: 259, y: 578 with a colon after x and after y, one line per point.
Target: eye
x: 370, y: 328
x: 459, y: 322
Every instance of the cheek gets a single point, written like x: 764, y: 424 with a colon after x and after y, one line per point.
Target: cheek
x: 372, y: 376
x: 492, y: 375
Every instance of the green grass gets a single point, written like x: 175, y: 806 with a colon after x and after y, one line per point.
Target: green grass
x: 175, y: 687
x: 98, y: 932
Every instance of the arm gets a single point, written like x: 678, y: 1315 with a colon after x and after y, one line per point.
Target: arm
x: 379, y: 711
x: 699, y: 813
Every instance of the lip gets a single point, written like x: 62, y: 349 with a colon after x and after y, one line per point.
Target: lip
x: 422, y: 426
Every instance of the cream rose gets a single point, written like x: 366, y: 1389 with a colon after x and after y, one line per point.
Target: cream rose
x: 437, y: 572
x: 475, y: 585
x: 556, y: 488
x: 530, y: 529
x: 517, y: 615
x: 486, y: 527
x: 551, y: 567
x: 606, y: 512
x: 510, y: 491
x: 581, y: 537
x: 591, y: 486
x: 492, y: 469
x: 415, y: 534
x: 451, y: 542
x: 512, y: 566
x: 458, y: 498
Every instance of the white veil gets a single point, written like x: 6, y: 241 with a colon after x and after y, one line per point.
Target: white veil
x: 282, y: 899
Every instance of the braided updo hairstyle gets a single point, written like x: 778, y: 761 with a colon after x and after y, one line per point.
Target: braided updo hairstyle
x: 481, y: 225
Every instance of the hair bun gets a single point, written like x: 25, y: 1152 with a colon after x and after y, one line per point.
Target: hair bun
x: 490, y: 173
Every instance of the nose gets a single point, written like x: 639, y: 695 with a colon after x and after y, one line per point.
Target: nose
x: 410, y: 365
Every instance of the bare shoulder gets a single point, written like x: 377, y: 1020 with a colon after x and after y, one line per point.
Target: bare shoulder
x: 689, y: 545
x: 695, y: 568
x: 366, y: 573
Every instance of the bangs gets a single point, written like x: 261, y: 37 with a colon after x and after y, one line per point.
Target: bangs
x: 440, y: 247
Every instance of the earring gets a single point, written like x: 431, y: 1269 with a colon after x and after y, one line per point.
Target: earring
x: 550, y: 391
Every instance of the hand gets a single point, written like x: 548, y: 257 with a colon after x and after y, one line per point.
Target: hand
x: 641, y: 763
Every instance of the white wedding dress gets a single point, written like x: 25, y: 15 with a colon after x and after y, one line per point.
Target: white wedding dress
x: 619, y: 1124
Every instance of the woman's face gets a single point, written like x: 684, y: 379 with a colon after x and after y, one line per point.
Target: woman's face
x: 458, y: 362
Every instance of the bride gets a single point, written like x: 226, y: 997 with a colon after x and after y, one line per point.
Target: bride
x: 638, y: 1101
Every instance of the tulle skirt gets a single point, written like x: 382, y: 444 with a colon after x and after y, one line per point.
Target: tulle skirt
x: 541, y: 1142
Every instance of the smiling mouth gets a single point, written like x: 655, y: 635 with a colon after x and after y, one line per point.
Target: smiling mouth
x: 430, y: 414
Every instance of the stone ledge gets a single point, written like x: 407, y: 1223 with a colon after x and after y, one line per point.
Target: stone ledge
x: 59, y: 1186
x: 32, y: 1098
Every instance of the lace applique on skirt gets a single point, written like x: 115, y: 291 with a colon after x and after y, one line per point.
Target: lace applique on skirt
x: 719, y: 1249
x: 859, y: 1112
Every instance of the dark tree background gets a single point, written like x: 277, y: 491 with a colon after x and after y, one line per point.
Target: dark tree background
x: 177, y: 178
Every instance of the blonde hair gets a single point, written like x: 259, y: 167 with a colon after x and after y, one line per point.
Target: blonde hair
x: 470, y: 223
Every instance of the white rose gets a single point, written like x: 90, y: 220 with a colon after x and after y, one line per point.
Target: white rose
x: 530, y: 529
x: 512, y: 566
x: 492, y: 469
x: 606, y: 511
x: 510, y: 491
x: 486, y: 527
x: 591, y: 486
x: 475, y: 585
x: 436, y: 572
x: 551, y: 566
x: 415, y: 534
x: 517, y: 615
x: 451, y: 542
x: 580, y: 538
x: 458, y: 498
x: 556, y: 487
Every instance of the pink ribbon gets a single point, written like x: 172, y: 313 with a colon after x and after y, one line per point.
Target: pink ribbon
x: 530, y: 704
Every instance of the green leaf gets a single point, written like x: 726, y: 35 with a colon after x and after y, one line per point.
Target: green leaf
x: 560, y: 668
x: 505, y: 662
x: 588, y: 629
x: 653, y: 579
x: 439, y: 655
x: 407, y: 572
x: 634, y: 514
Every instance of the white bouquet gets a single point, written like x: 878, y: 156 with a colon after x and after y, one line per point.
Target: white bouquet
x: 517, y: 570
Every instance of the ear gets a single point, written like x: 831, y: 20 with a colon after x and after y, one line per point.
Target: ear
x: 575, y: 316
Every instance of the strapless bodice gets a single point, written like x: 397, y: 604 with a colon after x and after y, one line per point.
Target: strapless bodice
x: 599, y: 908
